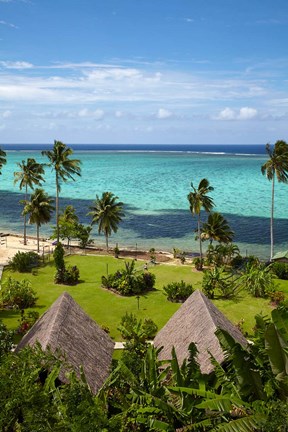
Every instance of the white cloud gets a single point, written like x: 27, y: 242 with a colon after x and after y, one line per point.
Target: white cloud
x: 227, y: 114
x: 119, y: 114
x: 163, y: 113
x: 247, y: 113
x: 6, y: 114
x: 97, y: 114
x: 16, y: 65
x: 244, y: 113
x: 8, y: 24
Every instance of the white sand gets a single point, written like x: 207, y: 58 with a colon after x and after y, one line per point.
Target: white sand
x: 10, y: 245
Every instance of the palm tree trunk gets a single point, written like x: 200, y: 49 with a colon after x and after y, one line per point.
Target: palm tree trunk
x: 25, y: 219
x: 272, y: 219
x: 106, y: 235
x: 200, y: 242
x: 57, y: 206
x: 38, y: 239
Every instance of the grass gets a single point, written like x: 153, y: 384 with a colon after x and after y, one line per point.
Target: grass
x: 107, y: 308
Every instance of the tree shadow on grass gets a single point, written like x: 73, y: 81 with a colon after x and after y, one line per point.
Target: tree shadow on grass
x: 9, y: 313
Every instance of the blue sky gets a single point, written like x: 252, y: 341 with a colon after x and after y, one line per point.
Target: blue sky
x: 143, y: 71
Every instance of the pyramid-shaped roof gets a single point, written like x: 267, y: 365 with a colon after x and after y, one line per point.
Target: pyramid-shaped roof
x: 281, y: 255
x: 66, y: 327
x: 196, y: 321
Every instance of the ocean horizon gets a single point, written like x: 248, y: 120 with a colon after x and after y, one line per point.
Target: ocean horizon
x: 153, y: 181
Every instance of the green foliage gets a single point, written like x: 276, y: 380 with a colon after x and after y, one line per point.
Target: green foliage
x: 218, y: 280
x: 24, y: 261
x: 258, y: 280
x: 17, y: 294
x: 6, y: 339
x: 198, y: 263
x: 216, y: 229
x: 280, y: 269
x: 27, y: 321
x: 58, y: 255
x: 128, y: 281
x: 178, y: 291
x: 83, y: 235
x: 107, y: 213
x: 116, y: 251
x: 33, y: 399
x: 136, y: 333
x: 130, y: 327
x: 67, y: 276
x: 222, y: 254
x: 276, y: 297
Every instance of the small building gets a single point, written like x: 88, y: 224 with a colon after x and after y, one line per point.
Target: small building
x: 281, y: 256
x: 196, y: 321
x: 67, y: 328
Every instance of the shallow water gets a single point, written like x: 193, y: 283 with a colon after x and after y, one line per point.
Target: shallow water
x: 154, y: 188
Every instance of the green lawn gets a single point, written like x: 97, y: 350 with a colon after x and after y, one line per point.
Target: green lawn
x: 107, y: 308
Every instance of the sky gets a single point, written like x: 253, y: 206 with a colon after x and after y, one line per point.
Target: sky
x: 143, y: 71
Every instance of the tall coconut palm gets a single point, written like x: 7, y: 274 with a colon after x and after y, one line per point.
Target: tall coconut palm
x: 30, y: 175
x: 107, y: 212
x: 275, y: 166
x: 39, y: 209
x: 2, y: 159
x: 217, y: 228
x: 64, y: 167
x: 199, y: 199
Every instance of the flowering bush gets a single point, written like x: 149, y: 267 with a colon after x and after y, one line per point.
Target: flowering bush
x: 17, y: 294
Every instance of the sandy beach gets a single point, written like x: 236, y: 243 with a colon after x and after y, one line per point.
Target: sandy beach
x: 11, y: 244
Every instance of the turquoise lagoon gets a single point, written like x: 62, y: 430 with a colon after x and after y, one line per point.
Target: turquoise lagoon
x: 154, y: 187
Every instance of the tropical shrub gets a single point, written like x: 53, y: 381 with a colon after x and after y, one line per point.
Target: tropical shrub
x: 67, y: 276
x: 181, y: 255
x: 221, y: 280
x: 24, y: 261
x: 58, y: 255
x: 198, y: 263
x: 116, y: 252
x: 6, y: 339
x: 281, y: 270
x: 83, y: 235
x: 27, y: 321
x: 129, y: 281
x: 148, y: 280
x: 136, y: 333
x: 130, y: 327
x: 276, y: 297
x: 152, y: 254
x: 258, y: 280
x: 178, y: 291
x: 17, y: 294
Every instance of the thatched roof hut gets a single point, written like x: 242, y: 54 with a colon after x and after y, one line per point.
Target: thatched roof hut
x: 66, y: 327
x: 281, y: 256
x: 196, y: 321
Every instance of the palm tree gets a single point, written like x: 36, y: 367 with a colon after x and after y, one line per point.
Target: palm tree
x: 40, y: 210
x: 2, y: 159
x: 217, y: 228
x: 199, y: 199
x: 276, y: 165
x: 107, y: 212
x: 30, y: 174
x: 64, y: 167
x: 68, y: 224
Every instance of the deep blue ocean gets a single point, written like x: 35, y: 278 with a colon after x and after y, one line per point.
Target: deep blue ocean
x: 153, y: 181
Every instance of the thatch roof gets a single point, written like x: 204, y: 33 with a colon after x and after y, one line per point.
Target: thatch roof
x: 66, y: 327
x: 281, y: 256
x: 196, y: 321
